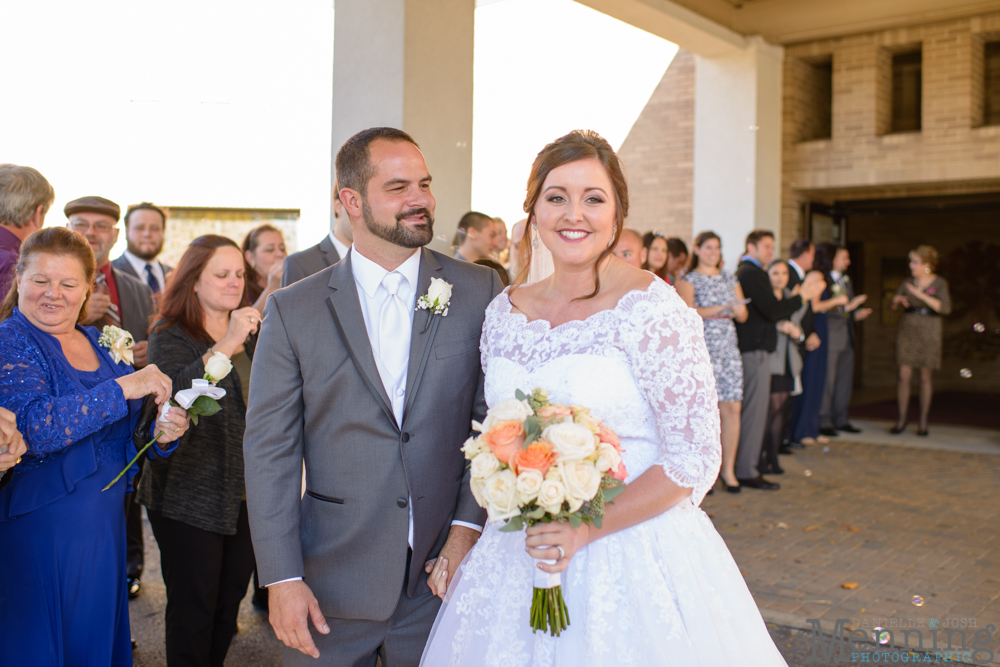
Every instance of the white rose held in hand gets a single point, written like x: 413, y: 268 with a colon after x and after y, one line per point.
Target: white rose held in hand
x: 217, y: 367
x: 501, y: 496
x: 572, y: 442
x: 484, y: 465
x: 507, y: 410
x: 582, y: 480
x: 529, y: 483
x: 608, y: 457
x: 551, y: 495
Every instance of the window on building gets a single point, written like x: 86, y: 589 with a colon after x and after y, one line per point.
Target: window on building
x: 991, y: 84
x: 817, y: 86
x: 906, y: 91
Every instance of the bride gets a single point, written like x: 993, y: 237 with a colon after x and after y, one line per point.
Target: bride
x: 656, y: 584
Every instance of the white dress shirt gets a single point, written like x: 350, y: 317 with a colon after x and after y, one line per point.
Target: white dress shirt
x: 139, y: 264
x: 340, y: 247
x: 798, y: 269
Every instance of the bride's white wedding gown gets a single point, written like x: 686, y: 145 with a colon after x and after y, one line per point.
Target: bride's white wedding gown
x: 664, y: 592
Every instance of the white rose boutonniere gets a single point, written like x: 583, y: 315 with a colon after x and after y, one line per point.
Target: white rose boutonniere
x: 119, y: 343
x: 437, y: 299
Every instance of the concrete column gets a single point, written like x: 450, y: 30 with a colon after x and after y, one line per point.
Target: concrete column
x: 408, y: 64
x: 737, y: 145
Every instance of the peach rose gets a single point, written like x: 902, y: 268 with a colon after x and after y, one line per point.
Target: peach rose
x: 620, y: 474
x: 605, y: 434
x: 536, y: 456
x: 554, y: 413
x: 504, y: 439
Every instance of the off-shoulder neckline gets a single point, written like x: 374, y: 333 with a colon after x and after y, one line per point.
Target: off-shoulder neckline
x: 547, y: 326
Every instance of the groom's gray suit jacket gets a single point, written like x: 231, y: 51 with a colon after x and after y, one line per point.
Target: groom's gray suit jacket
x: 316, y: 395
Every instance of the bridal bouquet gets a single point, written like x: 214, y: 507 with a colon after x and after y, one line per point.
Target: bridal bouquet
x: 536, y: 461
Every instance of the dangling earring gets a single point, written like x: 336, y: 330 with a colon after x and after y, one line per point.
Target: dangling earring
x: 611, y: 241
x: 927, y: 269
x: 534, y: 241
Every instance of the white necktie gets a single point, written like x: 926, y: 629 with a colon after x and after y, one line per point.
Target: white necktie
x: 394, y: 328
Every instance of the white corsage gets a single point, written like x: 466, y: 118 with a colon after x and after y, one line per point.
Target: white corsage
x: 437, y: 299
x: 118, y: 342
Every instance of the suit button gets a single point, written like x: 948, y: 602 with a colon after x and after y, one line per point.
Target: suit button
x: 401, y: 502
x: 406, y: 437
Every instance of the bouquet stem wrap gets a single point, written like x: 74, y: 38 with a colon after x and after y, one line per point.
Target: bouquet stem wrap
x: 548, y: 609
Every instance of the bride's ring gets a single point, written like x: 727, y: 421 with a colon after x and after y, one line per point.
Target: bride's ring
x: 562, y: 554
x: 251, y: 319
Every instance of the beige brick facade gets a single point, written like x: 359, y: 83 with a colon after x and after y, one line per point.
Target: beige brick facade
x: 659, y: 155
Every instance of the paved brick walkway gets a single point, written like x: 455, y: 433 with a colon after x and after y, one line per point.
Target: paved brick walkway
x: 896, y: 521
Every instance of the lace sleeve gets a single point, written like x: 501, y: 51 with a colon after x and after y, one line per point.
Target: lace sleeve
x: 672, y: 368
x: 51, y: 423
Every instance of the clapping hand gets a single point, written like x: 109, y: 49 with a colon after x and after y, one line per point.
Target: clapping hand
x: 853, y: 304
x: 862, y: 313
x: 97, y: 307
x: 900, y: 300
x: 11, y: 441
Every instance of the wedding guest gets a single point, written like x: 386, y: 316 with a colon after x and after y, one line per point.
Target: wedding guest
x: 757, y: 339
x: 475, y: 236
x: 716, y: 296
x: 629, y: 248
x: 145, y: 224
x: 500, y: 242
x: 801, y: 254
x: 327, y: 252
x: 805, y: 411
x: 196, y: 500
x: 62, y: 565
x: 11, y: 445
x: 786, y: 370
x: 122, y: 300
x: 25, y: 198
x: 496, y: 266
x: 656, y: 255
x: 840, y: 351
x: 926, y: 298
x: 677, y: 259
x: 513, y: 257
x: 264, y: 252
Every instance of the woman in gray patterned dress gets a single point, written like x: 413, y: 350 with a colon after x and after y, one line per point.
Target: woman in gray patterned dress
x: 715, y: 295
x: 918, y: 336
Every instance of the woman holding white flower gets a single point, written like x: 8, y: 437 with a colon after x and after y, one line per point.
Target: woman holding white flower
x: 655, y: 584
x: 196, y: 501
x: 62, y: 541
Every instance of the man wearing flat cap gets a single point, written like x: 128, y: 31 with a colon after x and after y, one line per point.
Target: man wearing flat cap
x: 123, y: 301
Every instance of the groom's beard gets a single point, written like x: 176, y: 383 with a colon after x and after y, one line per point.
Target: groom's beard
x: 399, y: 234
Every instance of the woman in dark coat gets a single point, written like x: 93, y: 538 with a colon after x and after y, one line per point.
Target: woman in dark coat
x: 196, y: 500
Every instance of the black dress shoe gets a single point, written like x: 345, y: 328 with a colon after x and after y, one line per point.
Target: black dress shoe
x: 730, y: 489
x: 922, y: 432
x: 786, y: 450
x: 758, y: 482
x: 848, y: 428
x: 796, y: 445
x: 135, y: 645
x: 896, y: 430
x: 133, y: 585
x: 828, y: 432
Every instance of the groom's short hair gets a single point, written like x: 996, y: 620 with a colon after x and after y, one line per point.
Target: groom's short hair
x: 354, y: 165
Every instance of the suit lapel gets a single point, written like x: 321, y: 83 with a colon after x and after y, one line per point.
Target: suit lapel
x: 345, y: 307
x: 421, y: 335
x: 330, y: 254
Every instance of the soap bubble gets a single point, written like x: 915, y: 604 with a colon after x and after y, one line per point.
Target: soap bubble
x: 880, y: 635
x: 979, y: 327
x: 917, y: 600
x: 442, y: 237
x: 826, y: 449
x: 965, y: 373
x: 808, y: 473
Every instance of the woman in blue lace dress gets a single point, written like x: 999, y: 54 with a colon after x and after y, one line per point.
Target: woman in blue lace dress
x: 62, y: 541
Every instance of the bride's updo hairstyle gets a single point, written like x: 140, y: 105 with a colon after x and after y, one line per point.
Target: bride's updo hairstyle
x: 577, y: 145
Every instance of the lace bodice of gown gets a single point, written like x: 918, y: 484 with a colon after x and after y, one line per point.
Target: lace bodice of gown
x: 641, y: 367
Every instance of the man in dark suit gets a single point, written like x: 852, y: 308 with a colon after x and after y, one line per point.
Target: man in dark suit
x: 123, y: 301
x: 145, y: 224
x: 840, y: 355
x: 801, y: 255
x: 757, y: 338
x: 327, y: 252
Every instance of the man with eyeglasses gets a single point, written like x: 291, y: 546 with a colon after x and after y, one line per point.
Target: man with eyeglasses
x: 122, y: 301
x: 145, y: 224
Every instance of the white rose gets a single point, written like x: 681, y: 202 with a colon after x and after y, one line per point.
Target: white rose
x: 478, y: 486
x: 484, y: 465
x: 217, y: 367
x: 439, y: 292
x: 529, y: 482
x: 608, y: 458
x: 551, y: 495
x: 582, y: 482
x: 508, y: 410
x: 571, y: 442
x: 473, y: 448
x: 583, y: 417
x: 500, y: 492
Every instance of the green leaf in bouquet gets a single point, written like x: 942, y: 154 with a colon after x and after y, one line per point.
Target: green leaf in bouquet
x: 514, y: 525
x: 575, y: 521
x: 612, y: 492
x: 536, y: 513
x: 597, y: 521
x: 205, y: 406
x: 532, y: 431
x: 520, y: 395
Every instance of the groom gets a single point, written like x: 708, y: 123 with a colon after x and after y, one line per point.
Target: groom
x: 376, y: 397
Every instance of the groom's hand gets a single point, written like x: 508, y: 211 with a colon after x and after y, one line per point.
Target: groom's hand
x: 460, y: 540
x: 291, y: 605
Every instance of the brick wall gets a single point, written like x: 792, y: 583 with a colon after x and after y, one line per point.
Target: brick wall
x: 659, y: 155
